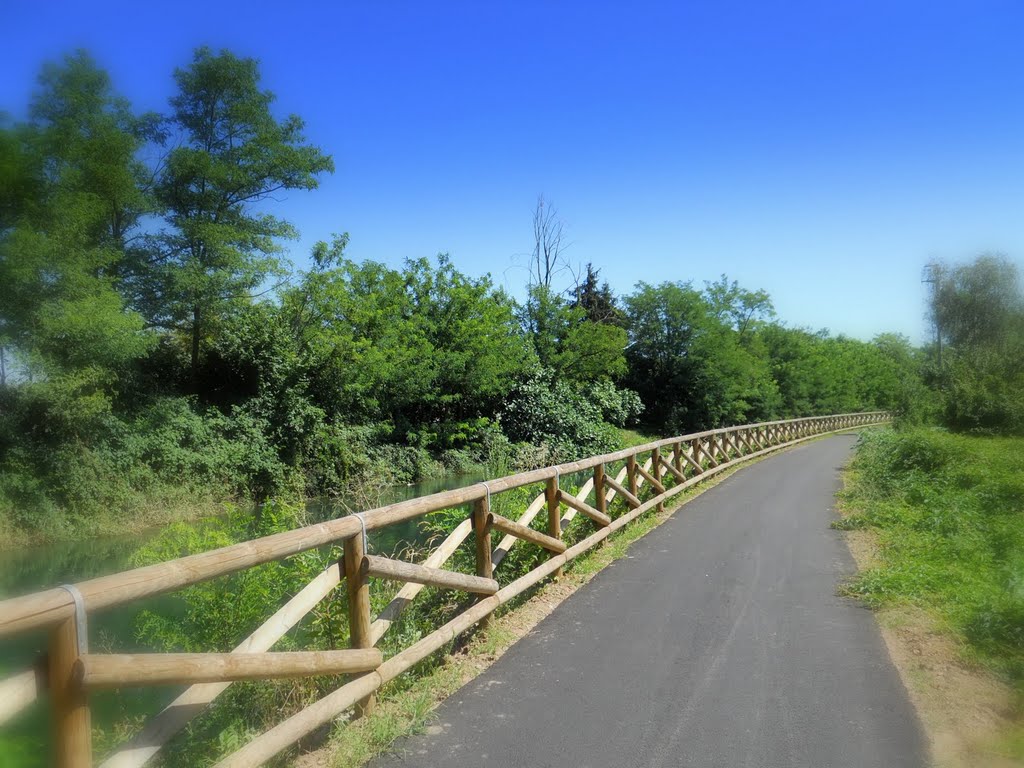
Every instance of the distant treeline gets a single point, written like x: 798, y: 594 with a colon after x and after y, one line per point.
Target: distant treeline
x: 157, y: 350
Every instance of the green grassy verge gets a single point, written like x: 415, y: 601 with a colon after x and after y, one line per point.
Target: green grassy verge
x: 631, y: 437
x: 949, y: 513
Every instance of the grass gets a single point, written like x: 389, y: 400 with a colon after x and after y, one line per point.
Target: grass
x: 631, y: 437
x: 948, y: 511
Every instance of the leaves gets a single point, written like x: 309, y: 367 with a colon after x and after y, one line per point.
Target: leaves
x: 216, y: 249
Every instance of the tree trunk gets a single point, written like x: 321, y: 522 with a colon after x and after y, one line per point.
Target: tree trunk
x: 196, y: 320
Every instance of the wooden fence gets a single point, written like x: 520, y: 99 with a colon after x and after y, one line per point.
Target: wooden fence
x: 69, y: 671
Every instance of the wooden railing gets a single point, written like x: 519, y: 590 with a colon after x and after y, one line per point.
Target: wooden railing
x: 69, y: 671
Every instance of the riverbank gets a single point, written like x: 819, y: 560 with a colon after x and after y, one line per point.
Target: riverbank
x: 147, y: 511
x: 134, y: 511
x: 934, y: 522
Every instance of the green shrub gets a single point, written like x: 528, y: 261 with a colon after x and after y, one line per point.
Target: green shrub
x: 545, y: 410
x: 984, y: 395
x: 619, y: 407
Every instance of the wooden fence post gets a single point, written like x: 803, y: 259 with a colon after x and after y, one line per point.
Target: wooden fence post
x: 600, y: 502
x: 482, y: 529
x: 69, y: 703
x: 656, y: 473
x: 677, y: 457
x: 554, y: 514
x: 358, y: 586
x: 631, y: 474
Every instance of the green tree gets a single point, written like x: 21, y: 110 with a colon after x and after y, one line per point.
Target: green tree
x: 220, y: 245
x: 745, y: 311
x: 427, y: 349
x: 687, y: 362
x: 566, y: 341
x: 479, y: 350
x: 978, y: 308
x: 77, y: 196
x: 592, y: 352
x: 797, y: 364
x: 597, y: 300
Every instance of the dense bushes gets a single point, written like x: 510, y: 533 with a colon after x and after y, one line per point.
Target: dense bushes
x: 569, y: 421
x: 981, y: 395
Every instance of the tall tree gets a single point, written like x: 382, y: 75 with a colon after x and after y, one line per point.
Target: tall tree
x: 687, y: 362
x: 77, y: 194
x: 220, y: 245
x: 978, y: 309
x: 425, y: 348
x: 978, y: 304
x: 549, y: 245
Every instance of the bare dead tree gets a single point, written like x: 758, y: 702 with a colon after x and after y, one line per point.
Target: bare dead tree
x: 549, y: 245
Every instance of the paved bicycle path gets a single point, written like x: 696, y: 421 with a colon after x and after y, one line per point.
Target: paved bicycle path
x: 719, y: 640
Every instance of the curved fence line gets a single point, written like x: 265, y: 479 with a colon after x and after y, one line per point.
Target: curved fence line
x: 69, y: 671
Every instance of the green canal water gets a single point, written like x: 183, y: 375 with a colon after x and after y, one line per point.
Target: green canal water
x: 24, y: 741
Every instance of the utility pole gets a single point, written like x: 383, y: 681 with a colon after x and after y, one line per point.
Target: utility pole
x: 931, y: 269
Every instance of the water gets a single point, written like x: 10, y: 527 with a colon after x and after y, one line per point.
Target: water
x: 24, y: 740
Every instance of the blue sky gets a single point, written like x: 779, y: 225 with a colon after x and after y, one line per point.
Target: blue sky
x: 822, y: 151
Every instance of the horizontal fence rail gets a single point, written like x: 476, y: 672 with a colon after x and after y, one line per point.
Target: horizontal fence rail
x: 69, y: 672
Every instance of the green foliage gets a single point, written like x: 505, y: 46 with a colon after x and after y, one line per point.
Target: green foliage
x: 233, y: 154
x: 568, y: 341
x: 597, y: 300
x: 978, y: 311
x: 167, y: 459
x: 689, y: 365
x: 592, y: 352
x: 547, y: 410
x: 984, y: 394
x: 425, y: 348
x: 61, y: 245
x: 817, y: 373
x: 618, y: 407
x: 712, y: 358
x: 742, y: 310
x: 950, y: 511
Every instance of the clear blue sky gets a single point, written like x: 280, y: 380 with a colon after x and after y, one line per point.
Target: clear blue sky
x: 822, y: 151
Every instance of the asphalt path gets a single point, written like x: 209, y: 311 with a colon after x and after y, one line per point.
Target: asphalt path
x: 719, y: 640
